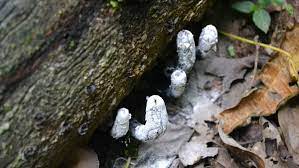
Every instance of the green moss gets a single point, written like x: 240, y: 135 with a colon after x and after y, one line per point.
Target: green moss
x: 72, y: 45
x: 6, y: 108
x: 27, y: 40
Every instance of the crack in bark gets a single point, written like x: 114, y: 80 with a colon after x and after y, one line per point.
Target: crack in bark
x: 71, y: 28
x: 17, y: 25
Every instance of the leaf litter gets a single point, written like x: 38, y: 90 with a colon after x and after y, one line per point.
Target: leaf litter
x: 288, y: 117
x: 276, y: 90
x: 196, y: 109
x: 219, y: 98
x: 259, y: 145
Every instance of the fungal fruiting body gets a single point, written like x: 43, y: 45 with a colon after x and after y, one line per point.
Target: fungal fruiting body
x: 121, y: 123
x: 178, y: 83
x: 186, y: 50
x: 156, y: 120
x: 208, y: 40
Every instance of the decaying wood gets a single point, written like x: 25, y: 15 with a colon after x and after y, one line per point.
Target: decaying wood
x: 66, y: 64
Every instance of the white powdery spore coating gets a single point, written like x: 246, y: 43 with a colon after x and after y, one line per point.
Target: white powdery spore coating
x: 178, y: 83
x: 156, y: 120
x: 121, y: 123
x: 186, y: 50
x: 208, y: 40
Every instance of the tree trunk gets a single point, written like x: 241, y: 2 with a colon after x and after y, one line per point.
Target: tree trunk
x: 66, y: 64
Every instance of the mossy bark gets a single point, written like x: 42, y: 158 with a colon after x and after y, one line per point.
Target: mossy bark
x: 66, y: 64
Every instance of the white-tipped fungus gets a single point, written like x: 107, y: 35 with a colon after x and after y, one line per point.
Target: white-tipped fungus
x: 121, y: 124
x: 208, y: 40
x: 156, y: 119
x: 178, y: 83
x: 186, y: 50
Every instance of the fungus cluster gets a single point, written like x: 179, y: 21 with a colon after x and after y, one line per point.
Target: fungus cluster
x: 186, y: 50
x: 156, y: 114
x: 156, y: 121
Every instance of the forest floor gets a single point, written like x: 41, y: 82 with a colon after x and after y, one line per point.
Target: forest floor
x: 224, y: 94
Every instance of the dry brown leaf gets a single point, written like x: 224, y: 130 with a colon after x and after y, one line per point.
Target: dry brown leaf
x: 268, y: 98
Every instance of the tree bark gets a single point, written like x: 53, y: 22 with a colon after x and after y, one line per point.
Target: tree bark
x: 66, y: 64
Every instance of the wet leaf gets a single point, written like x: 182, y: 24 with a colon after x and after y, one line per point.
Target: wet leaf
x: 262, y: 19
x: 288, y: 117
x: 267, y: 148
x: 279, y: 2
x: 244, y: 6
x: 270, y: 131
x: 245, y: 156
x: 270, y: 162
x: 249, y: 134
x: 264, y: 3
x: 237, y: 91
x: 231, y: 69
x: 274, y: 92
x: 224, y: 160
x: 285, y: 156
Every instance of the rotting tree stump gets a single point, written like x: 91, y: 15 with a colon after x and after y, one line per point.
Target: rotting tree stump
x: 66, y: 64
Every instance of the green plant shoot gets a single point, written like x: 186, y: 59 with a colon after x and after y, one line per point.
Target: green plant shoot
x: 260, y: 16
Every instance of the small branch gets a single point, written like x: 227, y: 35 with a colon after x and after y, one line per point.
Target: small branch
x: 256, y: 43
x: 292, y: 67
x: 257, y: 48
